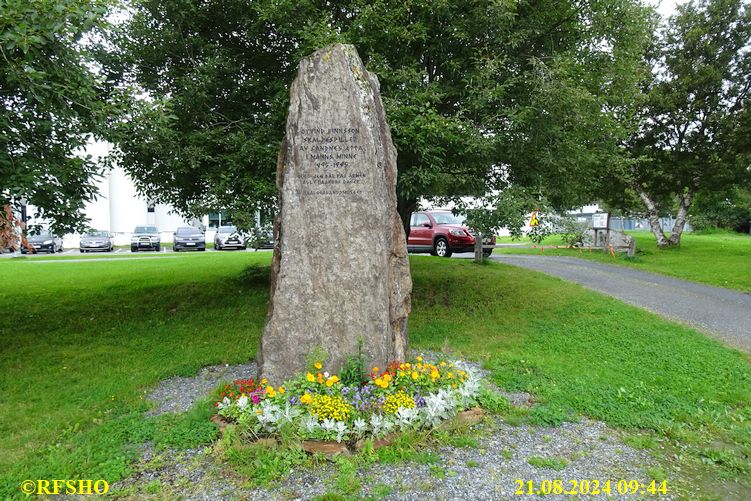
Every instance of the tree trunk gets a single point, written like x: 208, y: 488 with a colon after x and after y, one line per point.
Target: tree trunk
x: 653, y: 216
x: 684, y: 205
x: 478, y: 247
x: 405, y: 207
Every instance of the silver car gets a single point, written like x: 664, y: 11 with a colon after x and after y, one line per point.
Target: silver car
x: 97, y: 241
x: 228, y: 237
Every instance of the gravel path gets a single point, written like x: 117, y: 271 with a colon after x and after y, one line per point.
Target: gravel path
x: 721, y: 313
x: 586, y: 450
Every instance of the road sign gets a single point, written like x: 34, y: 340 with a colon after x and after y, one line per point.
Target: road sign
x: 535, y: 221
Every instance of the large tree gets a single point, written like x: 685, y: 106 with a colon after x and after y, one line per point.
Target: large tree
x: 50, y: 106
x: 477, y: 93
x: 693, y: 134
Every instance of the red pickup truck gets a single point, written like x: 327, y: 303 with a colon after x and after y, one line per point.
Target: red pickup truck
x: 441, y: 233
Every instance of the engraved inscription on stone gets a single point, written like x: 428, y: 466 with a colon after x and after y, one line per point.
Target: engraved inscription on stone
x: 330, y: 161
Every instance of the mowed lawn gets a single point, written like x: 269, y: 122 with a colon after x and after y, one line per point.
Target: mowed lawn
x: 82, y: 343
x: 722, y: 259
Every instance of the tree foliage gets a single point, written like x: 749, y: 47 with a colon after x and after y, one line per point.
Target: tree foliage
x: 693, y: 137
x: 50, y: 104
x: 468, y: 87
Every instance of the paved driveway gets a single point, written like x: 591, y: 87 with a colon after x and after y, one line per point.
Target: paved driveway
x: 722, y: 313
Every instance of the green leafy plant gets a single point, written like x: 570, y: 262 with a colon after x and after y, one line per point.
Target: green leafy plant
x: 353, y: 370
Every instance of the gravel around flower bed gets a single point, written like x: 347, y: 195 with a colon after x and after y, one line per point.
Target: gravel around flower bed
x: 178, y: 394
x: 586, y: 450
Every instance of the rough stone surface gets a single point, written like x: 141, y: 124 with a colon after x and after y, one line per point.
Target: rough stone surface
x: 340, y: 271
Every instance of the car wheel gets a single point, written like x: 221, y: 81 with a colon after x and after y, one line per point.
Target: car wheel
x: 158, y: 248
x: 487, y: 253
x: 133, y: 249
x: 441, y: 248
x: 81, y: 251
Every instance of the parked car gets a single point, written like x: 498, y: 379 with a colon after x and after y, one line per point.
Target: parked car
x: 145, y: 238
x: 228, y: 237
x: 44, y: 242
x: 96, y: 241
x: 187, y: 238
x: 441, y: 233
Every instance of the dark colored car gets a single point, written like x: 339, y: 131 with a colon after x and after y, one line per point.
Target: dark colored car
x: 189, y: 238
x: 96, y: 241
x: 145, y: 238
x: 441, y: 233
x: 228, y: 237
x: 44, y: 242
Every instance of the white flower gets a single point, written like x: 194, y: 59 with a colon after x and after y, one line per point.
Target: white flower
x: 328, y: 425
x: 309, y: 424
x: 242, y: 402
x: 381, y: 425
x: 361, y: 427
x: 269, y: 416
x: 341, y: 430
x: 290, y: 413
x: 226, y: 402
x: 407, y: 418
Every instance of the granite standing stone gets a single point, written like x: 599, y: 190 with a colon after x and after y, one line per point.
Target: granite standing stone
x: 340, y: 271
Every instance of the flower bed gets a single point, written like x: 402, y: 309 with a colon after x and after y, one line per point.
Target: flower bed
x: 321, y: 406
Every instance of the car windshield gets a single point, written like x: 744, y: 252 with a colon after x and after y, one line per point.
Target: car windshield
x: 446, y: 218
x: 44, y: 233
x: 146, y: 229
x: 96, y: 234
x: 185, y: 232
x: 227, y: 229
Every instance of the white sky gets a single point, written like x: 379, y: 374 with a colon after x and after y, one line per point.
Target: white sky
x: 665, y: 7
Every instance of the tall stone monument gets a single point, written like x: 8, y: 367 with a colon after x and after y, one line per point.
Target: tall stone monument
x: 340, y: 271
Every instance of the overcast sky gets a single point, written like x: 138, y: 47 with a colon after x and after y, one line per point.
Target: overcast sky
x: 665, y: 7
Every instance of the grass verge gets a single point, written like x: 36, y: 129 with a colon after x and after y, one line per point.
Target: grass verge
x: 83, y: 342
x: 720, y: 259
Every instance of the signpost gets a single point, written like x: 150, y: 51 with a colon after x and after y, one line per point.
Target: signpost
x: 600, y: 222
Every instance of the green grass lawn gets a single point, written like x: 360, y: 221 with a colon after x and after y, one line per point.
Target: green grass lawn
x: 83, y: 342
x: 720, y: 259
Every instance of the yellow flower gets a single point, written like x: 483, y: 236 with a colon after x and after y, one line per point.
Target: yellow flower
x: 387, y: 377
x: 419, y: 359
x: 453, y: 386
x: 320, y: 378
x: 306, y: 399
x: 311, y: 377
x: 378, y: 381
x: 443, y: 364
x: 401, y: 373
x: 407, y: 365
x: 264, y: 381
x: 394, y: 402
x: 318, y: 365
x: 375, y: 369
x: 450, y: 375
x: 259, y: 411
x: 270, y: 392
x: 332, y: 380
x: 330, y: 407
x: 281, y: 390
x: 335, y: 378
x: 415, y: 375
x: 435, y: 374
